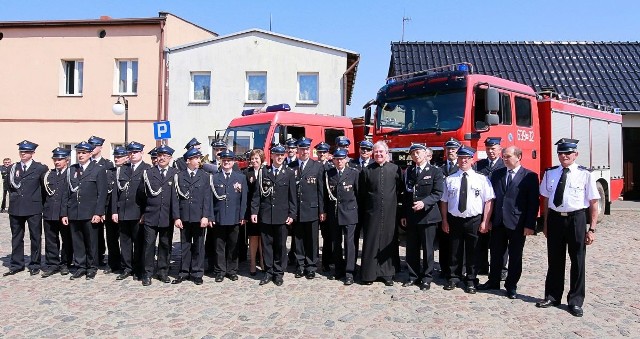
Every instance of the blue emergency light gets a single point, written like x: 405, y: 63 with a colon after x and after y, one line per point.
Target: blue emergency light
x: 463, y: 67
x: 247, y: 112
x: 277, y: 108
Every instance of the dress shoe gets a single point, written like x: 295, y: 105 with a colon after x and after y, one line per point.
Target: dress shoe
x: 91, y: 275
x: 219, y: 278
x: 450, y: 285
x: 388, y: 282
x: 179, y: 279
x: 12, y: 272
x: 367, y: 283
x: 34, y: 271
x: 3, y: 211
x: 410, y: 282
x: 253, y: 274
x: 77, y: 275
x: 547, y: 303
x: 471, y: 289
x: 265, y: 280
x: 232, y: 277
x: 299, y: 273
x: 503, y: 276
x: 124, y: 275
x: 165, y: 279
x: 425, y: 286
x: 348, y: 280
x: 107, y: 270
x: 64, y: 270
x: 511, y: 294
x: 488, y: 286
x: 198, y: 281
x: 50, y: 272
x: 575, y: 310
x: 311, y: 275
x: 146, y: 281
x: 278, y: 281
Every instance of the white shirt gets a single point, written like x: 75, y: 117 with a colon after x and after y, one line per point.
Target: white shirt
x: 515, y: 171
x: 84, y: 167
x: 190, y: 171
x: 26, y: 165
x: 579, y: 188
x: 134, y: 166
x: 479, y: 191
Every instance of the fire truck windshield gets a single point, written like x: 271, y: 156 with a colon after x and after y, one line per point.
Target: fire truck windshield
x: 427, y: 112
x: 246, y: 138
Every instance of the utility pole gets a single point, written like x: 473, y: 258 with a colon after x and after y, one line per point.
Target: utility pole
x: 404, y: 20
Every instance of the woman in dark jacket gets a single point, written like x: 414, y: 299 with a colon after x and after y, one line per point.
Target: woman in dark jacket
x: 256, y: 159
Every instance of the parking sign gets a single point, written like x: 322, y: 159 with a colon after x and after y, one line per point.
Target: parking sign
x: 161, y: 130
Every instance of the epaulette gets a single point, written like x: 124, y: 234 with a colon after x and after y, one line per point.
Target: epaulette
x: 352, y: 168
x: 584, y: 168
x: 550, y: 168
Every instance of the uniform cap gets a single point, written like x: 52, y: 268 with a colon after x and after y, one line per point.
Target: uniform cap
x: 153, y: 152
x: 277, y: 149
x: 191, y: 143
x: 96, y: 141
x: 492, y: 141
x: 119, y: 151
x: 322, y: 147
x: 343, y: 141
x: 304, y: 142
x: 27, y: 146
x: 164, y: 149
x: 191, y: 152
x: 227, y: 154
x: 566, y: 145
x: 60, y: 153
x: 452, y: 143
x: 135, y: 146
x: 291, y: 143
x: 417, y: 147
x: 366, y: 144
x: 465, y: 151
x: 340, y: 153
x: 218, y: 144
x: 85, y: 146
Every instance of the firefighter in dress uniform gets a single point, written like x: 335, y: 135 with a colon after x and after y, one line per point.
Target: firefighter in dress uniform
x: 96, y: 156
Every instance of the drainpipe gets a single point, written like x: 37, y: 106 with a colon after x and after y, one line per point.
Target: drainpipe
x: 344, y: 85
x: 162, y: 99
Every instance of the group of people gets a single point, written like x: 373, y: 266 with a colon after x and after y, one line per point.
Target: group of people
x: 466, y: 208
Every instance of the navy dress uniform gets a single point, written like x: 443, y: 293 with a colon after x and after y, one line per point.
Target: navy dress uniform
x: 127, y: 207
x: 273, y: 203
x: 156, y: 194
x: 112, y: 229
x: 86, y: 199
x: 342, y: 216
x: 291, y: 144
x: 326, y: 230
x: 55, y: 182
x: 466, y: 195
x: 571, y: 198
x: 107, y: 164
x: 359, y: 164
x: 426, y: 184
x: 25, y: 207
x: 181, y: 163
x: 323, y: 147
x: 230, y: 205
x: 194, y: 212
x: 444, y: 247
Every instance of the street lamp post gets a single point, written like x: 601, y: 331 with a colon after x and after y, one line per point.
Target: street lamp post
x: 119, y: 109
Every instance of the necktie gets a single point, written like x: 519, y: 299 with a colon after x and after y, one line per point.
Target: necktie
x: 275, y: 171
x: 450, y: 167
x: 491, y: 162
x: 363, y: 164
x: 163, y: 171
x: 24, y: 168
x: 509, y: 178
x: 193, y: 174
x: 302, y: 166
x: 418, y: 171
x: 559, y: 194
x: 462, y: 203
x: 340, y: 173
x: 226, y: 176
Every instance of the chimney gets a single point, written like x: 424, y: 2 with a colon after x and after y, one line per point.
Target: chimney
x: 105, y: 17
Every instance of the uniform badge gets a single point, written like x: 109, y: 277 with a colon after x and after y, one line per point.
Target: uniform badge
x: 251, y: 180
x: 477, y: 192
x: 18, y: 174
x: 169, y: 183
x: 237, y: 187
x: 311, y: 180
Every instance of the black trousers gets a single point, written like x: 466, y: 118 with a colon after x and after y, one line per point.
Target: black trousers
x: 356, y: 238
x: 444, y: 250
x: 327, y: 231
x: 344, y: 260
x: 131, y: 246
x: 84, y: 236
x: 102, y: 244
x: 17, y: 224
x: 483, y: 262
x: 511, y: 241
x: 566, y: 233
x: 226, y: 257
x: 164, y: 235
x: 307, y: 245
x: 5, y: 190
x: 243, y: 244
x: 274, y: 248
x: 54, y: 232
x: 463, y: 233
x: 113, y: 244
x: 192, y: 250
x: 421, y: 237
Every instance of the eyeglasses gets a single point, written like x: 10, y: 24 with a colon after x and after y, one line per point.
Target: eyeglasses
x: 365, y: 150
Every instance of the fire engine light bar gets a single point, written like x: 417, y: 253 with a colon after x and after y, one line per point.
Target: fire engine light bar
x: 276, y: 108
x: 463, y: 67
x: 247, y: 112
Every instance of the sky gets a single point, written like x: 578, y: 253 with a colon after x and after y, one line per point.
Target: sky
x: 369, y: 27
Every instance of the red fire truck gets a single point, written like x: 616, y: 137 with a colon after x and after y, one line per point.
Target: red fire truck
x: 260, y: 129
x: 452, y: 102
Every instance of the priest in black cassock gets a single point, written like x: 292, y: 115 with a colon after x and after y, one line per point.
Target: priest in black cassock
x: 381, y: 183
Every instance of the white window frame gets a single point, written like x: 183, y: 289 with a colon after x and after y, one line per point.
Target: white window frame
x: 298, y: 96
x: 256, y: 101
x: 116, y: 77
x: 78, y: 81
x: 192, y: 93
x: 71, y: 146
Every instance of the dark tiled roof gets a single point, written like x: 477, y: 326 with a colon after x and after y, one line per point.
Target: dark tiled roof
x: 601, y: 72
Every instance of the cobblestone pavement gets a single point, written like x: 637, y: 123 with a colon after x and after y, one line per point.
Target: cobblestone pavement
x: 57, y: 307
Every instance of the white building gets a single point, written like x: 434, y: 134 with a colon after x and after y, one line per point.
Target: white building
x: 213, y: 81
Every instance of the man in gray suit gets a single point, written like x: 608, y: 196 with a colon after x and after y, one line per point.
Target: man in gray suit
x: 514, y: 217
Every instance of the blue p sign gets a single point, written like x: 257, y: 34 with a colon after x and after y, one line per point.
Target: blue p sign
x: 161, y: 130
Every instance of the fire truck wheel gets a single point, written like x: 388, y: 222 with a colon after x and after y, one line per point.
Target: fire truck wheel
x: 601, y: 202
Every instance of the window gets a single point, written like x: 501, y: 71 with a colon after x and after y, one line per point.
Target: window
x: 72, y: 77
x: 505, y: 109
x: 523, y: 112
x: 504, y: 112
x: 330, y: 136
x: 200, y: 86
x: 72, y: 156
x: 308, y: 88
x: 256, y: 87
x: 126, y: 77
x: 282, y: 133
